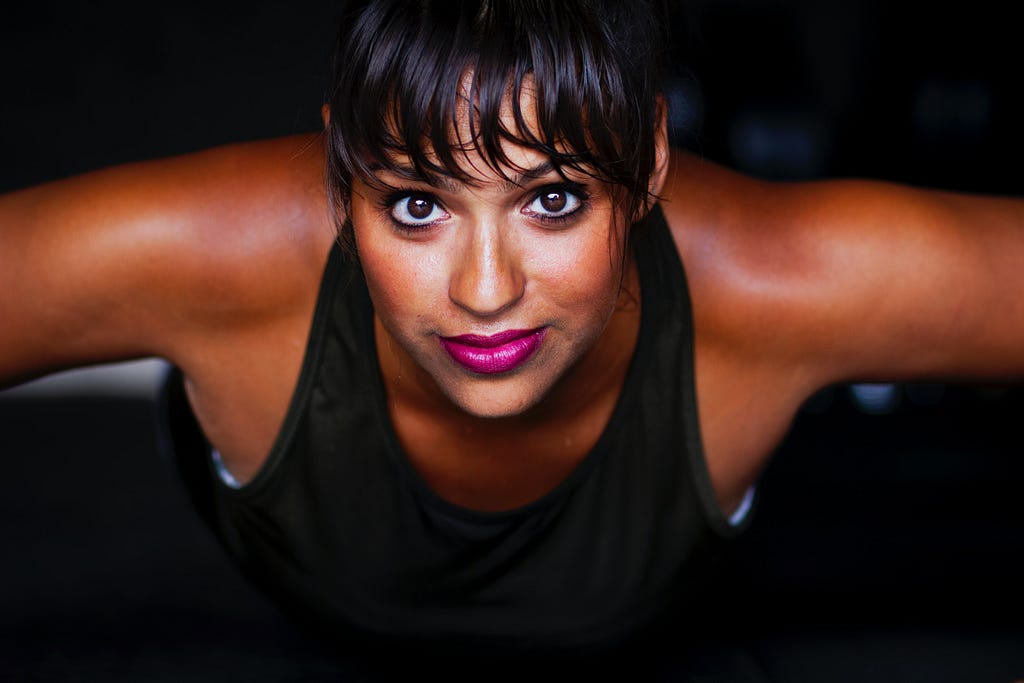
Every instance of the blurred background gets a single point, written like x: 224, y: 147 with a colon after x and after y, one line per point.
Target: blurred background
x: 889, y: 534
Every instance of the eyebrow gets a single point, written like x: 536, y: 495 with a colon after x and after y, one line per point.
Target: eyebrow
x: 453, y: 186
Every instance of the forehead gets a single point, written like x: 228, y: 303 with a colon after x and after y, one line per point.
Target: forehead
x: 475, y: 173
x: 467, y: 149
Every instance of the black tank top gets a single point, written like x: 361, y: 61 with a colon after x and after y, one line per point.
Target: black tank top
x: 343, y: 532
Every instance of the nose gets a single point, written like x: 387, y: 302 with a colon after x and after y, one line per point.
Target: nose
x: 487, y: 279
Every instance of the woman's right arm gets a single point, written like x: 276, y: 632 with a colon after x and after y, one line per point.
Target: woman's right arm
x: 148, y: 258
x: 80, y: 260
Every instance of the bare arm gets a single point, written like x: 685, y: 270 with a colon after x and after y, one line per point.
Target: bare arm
x: 859, y: 280
x: 893, y: 283
x: 150, y: 258
x: 797, y: 286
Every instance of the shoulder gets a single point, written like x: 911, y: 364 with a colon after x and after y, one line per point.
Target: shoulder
x: 145, y: 258
x: 749, y: 250
x: 247, y: 224
x: 845, y: 279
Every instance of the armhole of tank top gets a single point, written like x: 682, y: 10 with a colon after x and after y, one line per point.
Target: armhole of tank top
x: 329, y: 288
x: 724, y: 525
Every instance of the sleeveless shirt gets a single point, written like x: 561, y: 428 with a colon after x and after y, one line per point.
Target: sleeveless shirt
x: 340, y: 529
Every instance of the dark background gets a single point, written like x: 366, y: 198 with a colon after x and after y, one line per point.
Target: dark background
x: 889, y: 537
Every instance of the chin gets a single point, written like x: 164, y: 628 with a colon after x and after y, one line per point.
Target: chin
x: 495, y: 402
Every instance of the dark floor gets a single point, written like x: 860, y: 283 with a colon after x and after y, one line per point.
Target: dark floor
x: 885, y: 548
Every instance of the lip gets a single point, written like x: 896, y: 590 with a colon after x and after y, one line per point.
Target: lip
x: 494, y: 354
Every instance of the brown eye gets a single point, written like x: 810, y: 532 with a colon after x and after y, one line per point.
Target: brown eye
x: 553, y: 202
x: 417, y: 211
x: 419, y: 207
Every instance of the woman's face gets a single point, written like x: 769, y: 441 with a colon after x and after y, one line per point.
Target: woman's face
x: 490, y: 290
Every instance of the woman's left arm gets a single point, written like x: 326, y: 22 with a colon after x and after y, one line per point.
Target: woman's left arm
x: 797, y: 286
x: 911, y: 283
x: 850, y: 280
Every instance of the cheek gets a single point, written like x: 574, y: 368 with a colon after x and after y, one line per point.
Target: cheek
x: 402, y: 285
x: 582, y: 272
x: 396, y: 283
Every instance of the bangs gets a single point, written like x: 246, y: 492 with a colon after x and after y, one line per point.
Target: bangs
x: 426, y: 83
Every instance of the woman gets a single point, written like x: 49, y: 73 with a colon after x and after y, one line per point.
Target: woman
x: 498, y: 441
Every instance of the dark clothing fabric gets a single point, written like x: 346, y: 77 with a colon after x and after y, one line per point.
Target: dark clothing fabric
x: 340, y: 528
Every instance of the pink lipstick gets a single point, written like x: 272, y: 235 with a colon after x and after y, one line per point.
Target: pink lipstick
x: 501, y: 352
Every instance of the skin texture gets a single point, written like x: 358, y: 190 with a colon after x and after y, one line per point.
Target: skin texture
x: 213, y: 261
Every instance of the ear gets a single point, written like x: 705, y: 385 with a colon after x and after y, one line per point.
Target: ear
x: 661, y: 154
x: 325, y: 114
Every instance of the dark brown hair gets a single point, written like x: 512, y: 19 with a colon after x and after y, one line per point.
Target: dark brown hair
x: 400, y: 80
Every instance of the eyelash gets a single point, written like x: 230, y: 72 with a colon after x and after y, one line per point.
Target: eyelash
x: 577, y: 191
x: 388, y: 202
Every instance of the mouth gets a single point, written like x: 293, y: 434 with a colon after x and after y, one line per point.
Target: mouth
x: 502, y: 352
